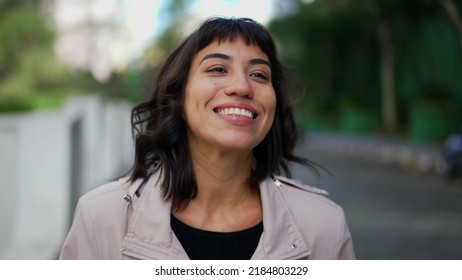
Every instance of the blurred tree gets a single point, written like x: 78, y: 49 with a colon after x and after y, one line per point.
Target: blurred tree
x: 354, y: 49
x: 454, y: 15
x: 6, y: 5
x: 134, y: 83
x: 174, y: 12
x: 176, y: 8
x: 334, y: 50
x: 27, y: 61
x: 22, y: 28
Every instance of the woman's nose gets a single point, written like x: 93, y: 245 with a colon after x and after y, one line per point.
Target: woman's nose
x: 240, y: 85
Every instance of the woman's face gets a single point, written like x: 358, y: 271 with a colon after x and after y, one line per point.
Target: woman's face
x: 229, y: 99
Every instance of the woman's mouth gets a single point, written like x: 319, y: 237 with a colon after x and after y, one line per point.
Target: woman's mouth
x: 239, y: 112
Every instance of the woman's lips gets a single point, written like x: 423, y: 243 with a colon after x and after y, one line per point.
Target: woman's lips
x: 235, y: 112
x: 236, y: 109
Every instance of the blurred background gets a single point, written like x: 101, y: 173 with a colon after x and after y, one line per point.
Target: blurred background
x: 381, y: 110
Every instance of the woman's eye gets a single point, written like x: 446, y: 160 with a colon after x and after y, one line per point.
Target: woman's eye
x: 217, y: 70
x: 259, y: 76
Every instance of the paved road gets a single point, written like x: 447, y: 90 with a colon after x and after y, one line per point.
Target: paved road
x: 393, y: 214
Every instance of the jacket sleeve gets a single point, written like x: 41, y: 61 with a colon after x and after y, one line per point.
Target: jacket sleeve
x: 80, y: 242
x: 346, y: 250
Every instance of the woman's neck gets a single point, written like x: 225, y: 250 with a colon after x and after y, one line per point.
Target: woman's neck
x: 222, y: 175
x: 225, y: 201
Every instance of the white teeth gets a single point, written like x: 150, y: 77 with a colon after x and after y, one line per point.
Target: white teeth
x: 235, y: 111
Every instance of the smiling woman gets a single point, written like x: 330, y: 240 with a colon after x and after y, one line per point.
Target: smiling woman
x: 211, y: 144
x: 228, y: 82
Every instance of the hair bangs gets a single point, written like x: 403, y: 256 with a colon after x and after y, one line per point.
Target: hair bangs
x: 222, y: 29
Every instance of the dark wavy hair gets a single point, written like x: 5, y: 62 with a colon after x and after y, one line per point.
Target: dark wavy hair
x: 160, y: 129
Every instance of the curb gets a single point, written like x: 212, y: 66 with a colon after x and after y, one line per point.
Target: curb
x: 423, y: 158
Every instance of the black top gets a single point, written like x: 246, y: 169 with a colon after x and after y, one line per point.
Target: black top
x: 209, y: 245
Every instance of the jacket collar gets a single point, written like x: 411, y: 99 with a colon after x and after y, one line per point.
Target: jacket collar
x: 281, y: 238
x: 149, y: 235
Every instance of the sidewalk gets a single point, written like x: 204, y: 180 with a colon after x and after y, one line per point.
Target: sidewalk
x: 425, y: 158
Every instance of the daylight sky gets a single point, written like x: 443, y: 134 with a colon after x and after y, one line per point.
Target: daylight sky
x: 107, y: 35
x: 144, y: 17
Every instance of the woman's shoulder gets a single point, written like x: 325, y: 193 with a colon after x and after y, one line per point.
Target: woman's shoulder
x: 321, y: 221
x: 118, y: 188
x: 299, y: 185
x: 298, y: 193
x: 107, y: 191
x: 98, y: 225
x: 311, y: 207
x: 114, y: 193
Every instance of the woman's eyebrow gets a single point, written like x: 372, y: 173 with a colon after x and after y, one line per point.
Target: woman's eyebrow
x: 260, y: 61
x: 253, y: 61
x: 215, y: 55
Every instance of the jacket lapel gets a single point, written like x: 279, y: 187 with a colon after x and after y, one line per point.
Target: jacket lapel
x: 281, y: 238
x: 149, y: 235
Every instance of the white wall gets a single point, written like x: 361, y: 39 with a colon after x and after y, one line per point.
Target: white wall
x: 8, y: 177
x: 41, y: 176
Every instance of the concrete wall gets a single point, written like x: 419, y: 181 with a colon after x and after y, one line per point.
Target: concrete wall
x: 48, y: 160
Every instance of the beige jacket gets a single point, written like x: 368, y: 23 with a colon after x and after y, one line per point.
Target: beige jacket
x: 123, y: 220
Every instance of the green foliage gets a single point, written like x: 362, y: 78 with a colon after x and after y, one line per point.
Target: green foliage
x: 43, y: 69
x: 15, y: 94
x: 332, y: 50
x: 432, y: 59
x: 125, y: 86
x: 30, y: 75
x: 21, y: 30
x: 333, y: 45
